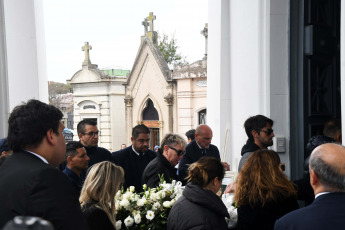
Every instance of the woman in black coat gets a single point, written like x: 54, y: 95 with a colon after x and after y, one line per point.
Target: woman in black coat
x: 200, y: 207
x: 263, y: 193
x: 97, y: 195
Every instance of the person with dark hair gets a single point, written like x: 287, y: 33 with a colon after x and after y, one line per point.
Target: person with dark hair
x: 332, y: 129
x: 327, y: 177
x: 263, y: 192
x: 199, y: 147
x: 304, y: 190
x: 169, y: 154
x: 31, y: 185
x: 88, y: 134
x: 136, y: 157
x: 190, y: 134
x: 200, y: 207
x: 77, y: 161
x: 260, y: 133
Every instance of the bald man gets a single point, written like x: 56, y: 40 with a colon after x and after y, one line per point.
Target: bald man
x: 199, y: 147
x: 327, y: 177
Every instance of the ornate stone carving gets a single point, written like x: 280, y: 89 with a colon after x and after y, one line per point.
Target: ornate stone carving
x: 169, y: 99
x: 128, y: 101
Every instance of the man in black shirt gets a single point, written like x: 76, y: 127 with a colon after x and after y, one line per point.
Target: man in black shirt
x: 77, y: 162
x: 88, y: 134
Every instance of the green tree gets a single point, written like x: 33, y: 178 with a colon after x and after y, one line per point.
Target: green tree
x: 57, y: 95
x: 168, y: 47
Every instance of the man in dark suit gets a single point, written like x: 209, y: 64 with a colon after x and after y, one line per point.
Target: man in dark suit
x: 136, y: 157
x: 30, y: 183
x: 327, y: 177
x: 199, y: 147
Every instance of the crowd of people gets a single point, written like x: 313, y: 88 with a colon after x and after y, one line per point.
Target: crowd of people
x: 73, y: 185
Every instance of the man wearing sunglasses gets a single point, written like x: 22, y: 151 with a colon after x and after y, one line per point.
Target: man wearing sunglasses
x: 88, y: 134
x: 260, y: 133
x: 169, y: 154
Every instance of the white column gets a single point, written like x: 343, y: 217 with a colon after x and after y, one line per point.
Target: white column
x: 25, y: 45
x: 342, y: 67
x: 4, y: 106
x: 247, y: 70
x: 218, y: 75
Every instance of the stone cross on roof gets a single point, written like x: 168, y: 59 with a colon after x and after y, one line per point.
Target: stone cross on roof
x: 150, y: 19
x: 145, y: 24
x: 86, y: 48
x: 205, y: 33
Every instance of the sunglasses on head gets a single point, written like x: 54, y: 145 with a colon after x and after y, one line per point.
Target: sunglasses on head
x: 179, y: 152
x: 267, y: 131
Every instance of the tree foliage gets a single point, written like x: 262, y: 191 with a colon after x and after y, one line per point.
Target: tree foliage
x: 57, y: 95
x: 168, y: 47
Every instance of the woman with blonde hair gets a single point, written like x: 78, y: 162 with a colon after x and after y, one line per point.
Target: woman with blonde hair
x: 263, y: 193
x: 97, y: 195
x: 200, y: 207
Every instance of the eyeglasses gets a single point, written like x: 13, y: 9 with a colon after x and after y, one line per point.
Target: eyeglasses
x: 267, y: 131
x: 179, y: 152
x: 92, y: 134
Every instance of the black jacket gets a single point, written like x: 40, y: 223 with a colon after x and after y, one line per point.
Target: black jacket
x: 263, y: 218
x: 96, y: 217
x: 198, y: 209
x: 160, y: 165
x: 133, y: 165
x: 30, y: 187
x: 193, y: 154
x: 98, y: 154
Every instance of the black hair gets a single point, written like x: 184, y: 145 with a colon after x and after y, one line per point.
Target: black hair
x: 332, y: 127
x: 81, y: 125
x: 28, y: 124
x: 256, y: 123
x: 139, y: 129
x: 71, y: 148
x: 190, y: 134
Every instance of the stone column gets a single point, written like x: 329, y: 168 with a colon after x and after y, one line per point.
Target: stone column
x: 169, y: 99
x: 129, y: 115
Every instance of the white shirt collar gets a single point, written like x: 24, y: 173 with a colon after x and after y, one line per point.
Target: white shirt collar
x: 136, y: 151
x: 42, y: 158
x: 199, y: 145
x: 320, y: 194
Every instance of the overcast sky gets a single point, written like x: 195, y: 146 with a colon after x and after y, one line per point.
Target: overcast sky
x: 113, y: 29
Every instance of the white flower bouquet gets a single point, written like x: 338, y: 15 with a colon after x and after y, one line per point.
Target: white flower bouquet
x: 227, y: 199
x: 146, y: 210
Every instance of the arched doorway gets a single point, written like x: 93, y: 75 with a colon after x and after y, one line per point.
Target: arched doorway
x: 151, y: 120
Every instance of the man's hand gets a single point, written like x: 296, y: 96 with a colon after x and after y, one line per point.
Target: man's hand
x: 226, y: 166
x: 230, y: 188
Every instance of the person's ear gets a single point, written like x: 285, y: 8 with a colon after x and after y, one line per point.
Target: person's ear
x: 215, y: 180
x: 338, y: 138
x: 50, y: 136
x: 132, y: 139
x: 254, y: 133
x: 313, y: 178
x: 80, y: 135
x: 68, y: 159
